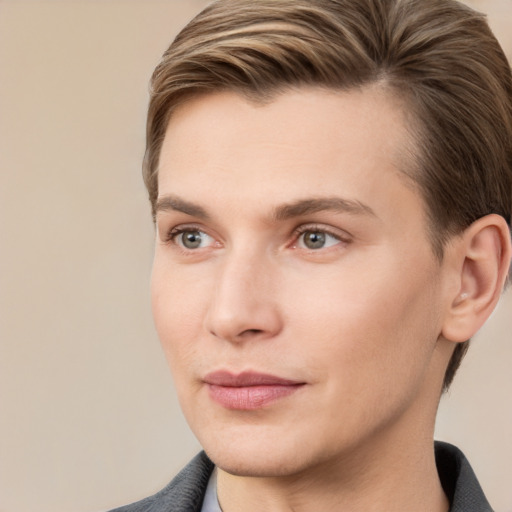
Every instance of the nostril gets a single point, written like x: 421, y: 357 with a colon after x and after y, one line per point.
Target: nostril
x: 248, y: 333
x: 251, y: 332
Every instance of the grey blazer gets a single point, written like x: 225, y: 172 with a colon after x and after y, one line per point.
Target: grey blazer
x: 186, y: 491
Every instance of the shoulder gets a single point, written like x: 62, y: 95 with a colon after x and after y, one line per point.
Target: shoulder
x: 185, y: 493
x: 459, y: 480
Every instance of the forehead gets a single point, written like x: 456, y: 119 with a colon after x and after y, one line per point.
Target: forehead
x: 304, y: 142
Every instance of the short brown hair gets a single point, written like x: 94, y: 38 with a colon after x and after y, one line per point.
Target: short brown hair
x: 439, y: 55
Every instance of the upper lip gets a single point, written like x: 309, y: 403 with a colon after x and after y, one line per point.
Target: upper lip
x: 246, y: 379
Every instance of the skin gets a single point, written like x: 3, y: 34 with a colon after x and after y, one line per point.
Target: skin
x: 357, y: 318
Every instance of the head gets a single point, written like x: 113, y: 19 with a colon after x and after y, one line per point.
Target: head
x: 441, y: 58
x: 437, y: 64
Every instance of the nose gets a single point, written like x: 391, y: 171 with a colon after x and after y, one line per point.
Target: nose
x: 244, y: 304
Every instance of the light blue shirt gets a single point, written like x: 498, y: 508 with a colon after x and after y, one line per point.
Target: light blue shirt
x: 211, y: 502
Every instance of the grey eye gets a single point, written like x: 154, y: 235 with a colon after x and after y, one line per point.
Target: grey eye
x: 314, y: 239
x: 192, y: 239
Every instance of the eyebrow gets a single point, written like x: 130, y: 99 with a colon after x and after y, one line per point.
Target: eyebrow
x: 315, y: 205
x: 174, y: 203
x: 283, y: 212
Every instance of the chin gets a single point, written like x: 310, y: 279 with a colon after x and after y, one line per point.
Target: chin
x: 259, y: 456
x: 256, y: 465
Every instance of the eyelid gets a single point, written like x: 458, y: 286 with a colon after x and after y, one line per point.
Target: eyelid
x: 341, y: 235
x: 171, y: 234
x: 333, y: 248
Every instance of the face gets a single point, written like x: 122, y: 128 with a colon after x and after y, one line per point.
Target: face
x: 294, y: 288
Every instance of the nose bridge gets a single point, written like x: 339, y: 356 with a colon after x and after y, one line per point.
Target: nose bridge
x: 244, y: 302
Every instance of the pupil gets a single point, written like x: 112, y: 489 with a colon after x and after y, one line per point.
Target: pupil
x: 314, y: 240
x: 192, y: 239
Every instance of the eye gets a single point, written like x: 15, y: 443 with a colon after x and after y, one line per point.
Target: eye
x: 191, y: 239
x: 314, y: 239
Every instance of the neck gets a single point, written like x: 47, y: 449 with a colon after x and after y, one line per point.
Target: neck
x: 401, y: 476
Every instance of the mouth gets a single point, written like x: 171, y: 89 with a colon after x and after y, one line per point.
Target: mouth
x: 248, y: 390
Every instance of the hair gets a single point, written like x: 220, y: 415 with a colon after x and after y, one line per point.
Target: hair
x: 438, y: 55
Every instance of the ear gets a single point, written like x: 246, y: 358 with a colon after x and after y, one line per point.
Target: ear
x: 483, y: 256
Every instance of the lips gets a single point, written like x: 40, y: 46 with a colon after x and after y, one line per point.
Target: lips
x: 248, y: 390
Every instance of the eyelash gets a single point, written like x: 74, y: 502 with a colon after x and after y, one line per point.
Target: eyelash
x: 179, y: 230
x: 173, y: 234
x: 315, y: 228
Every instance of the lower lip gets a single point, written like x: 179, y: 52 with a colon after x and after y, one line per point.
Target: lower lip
x: 248, y: 398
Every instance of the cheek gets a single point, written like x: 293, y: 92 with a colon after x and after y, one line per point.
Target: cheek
x: 178, y: 307
x: 370, y: 352
x: 374, y: 325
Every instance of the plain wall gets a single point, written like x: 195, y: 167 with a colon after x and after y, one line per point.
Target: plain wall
x: 88, y: 416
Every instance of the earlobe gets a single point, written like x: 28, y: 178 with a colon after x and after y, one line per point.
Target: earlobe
x: 485, y: 252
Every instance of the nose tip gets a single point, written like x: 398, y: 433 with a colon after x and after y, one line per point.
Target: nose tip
x: 239, y: 321
x: 244, y: 306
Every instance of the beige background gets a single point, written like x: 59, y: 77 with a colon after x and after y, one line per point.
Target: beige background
x: 88, y: 416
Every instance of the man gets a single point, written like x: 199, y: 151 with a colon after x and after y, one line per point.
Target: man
x: 331, y: 182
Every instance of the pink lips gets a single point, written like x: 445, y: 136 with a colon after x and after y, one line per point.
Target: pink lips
x: 248, y: 390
